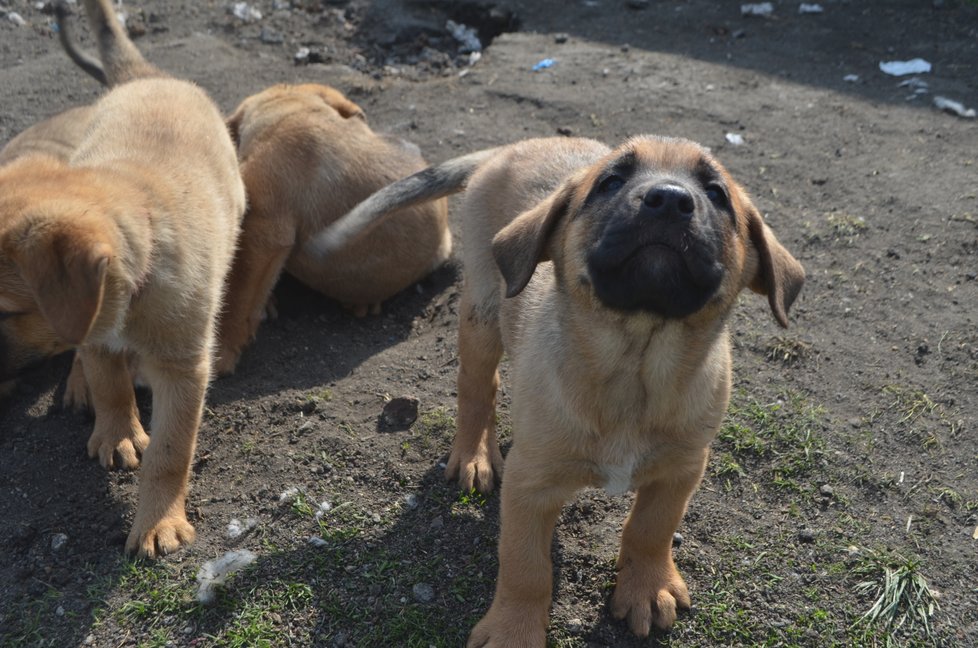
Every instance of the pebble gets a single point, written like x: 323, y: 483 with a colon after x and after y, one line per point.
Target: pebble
x: 411, y: 501
x: 437, y: 523
x: 271, y: 36
x: 575, y: 626
x: 826, y: 490
x: 560, y: 38
x: 399, y: 413
x: 806, y: 536
x: 677, y: 539
x: 58, y: 541
x: 16, y: 19
x: 423, y: 592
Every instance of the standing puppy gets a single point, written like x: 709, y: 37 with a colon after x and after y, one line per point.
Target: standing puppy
x: 307, y: 157
x: 124, y: 249
x: 620, y: 269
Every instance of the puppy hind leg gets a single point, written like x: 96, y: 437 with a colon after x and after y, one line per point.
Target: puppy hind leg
x: 650, y: 588
x: 257, y: 266
x: 161, y: 525
x: 118, y: 437
x: 475, y: 459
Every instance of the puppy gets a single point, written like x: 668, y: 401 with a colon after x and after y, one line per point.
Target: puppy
x: 56, y: 137
x: 307, y: 157
x: 123, y: 249
x: 620, y: 269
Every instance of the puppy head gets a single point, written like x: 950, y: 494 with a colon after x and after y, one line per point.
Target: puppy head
x: 657, y: 226
x: 265, y: 108
x: 53, y: 265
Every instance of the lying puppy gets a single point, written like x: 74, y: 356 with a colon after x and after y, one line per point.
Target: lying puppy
x: 307, y: 157
x: 56, y: 136
x: 621, y: 268
x: 124, y: 249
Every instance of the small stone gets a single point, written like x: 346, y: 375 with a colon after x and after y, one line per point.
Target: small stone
x: 400, y: 413
x: 826, y: 490
x: 411, y: 501
x: 271, y: 37
x: 301, y: 57
x: 560, y: 38
x: 16, y: 19
x: 60, y: 611
x: 437, y: 523
x: 423, y: 592
x: 565, y: 131
x: 677, y: 539
x: 58, y: 541
x: 575, y: 627
x: 806, y: 535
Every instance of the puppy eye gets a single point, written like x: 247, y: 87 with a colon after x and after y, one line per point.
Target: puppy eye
x: 716, y: 195
x: 611, y: 183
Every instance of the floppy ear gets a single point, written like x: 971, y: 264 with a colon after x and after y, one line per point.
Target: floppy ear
x: 234, y: 126
x: 338, y: 102
x: 65, y: 269
x: 779, y: 275
x: 522, y: 244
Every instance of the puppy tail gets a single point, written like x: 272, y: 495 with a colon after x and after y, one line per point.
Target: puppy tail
x: 85, y: 61
x: 428, y: 184
x: 120, y: 60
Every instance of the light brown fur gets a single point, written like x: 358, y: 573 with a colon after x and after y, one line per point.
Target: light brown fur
x: 123, y: 249
x: 307, y: 157
x: 601, y: 397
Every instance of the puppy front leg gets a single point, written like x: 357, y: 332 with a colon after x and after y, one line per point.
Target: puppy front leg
x: 161, y: 525
x: 475, y: 458
x: 531, y: 503
x: 76, y: 395
x: 118, y: 437
x: 258, y: 262
x: 649, y: 588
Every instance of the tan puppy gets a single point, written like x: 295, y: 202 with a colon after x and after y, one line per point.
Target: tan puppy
x: 56, y: 137
x: 124, y: 249
x: 307, y: 157
x: 621, y: 269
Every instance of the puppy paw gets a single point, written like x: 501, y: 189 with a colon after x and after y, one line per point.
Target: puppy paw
x: 226, y: 362
x: 648, y: 594
x: 509, y: 629
x: 77, y: 396
x: 159, y: 539
x: 478, y: 470
x: 118, y: 445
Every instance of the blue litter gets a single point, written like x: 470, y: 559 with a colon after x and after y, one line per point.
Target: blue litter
x: 544, y: 64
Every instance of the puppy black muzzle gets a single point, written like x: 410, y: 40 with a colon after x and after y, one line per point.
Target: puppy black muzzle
x: 659, y: 251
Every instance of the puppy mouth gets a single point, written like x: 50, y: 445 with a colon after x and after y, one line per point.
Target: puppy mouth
x: 667, y: 269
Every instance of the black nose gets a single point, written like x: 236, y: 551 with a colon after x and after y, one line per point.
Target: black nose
x: 669, y: 200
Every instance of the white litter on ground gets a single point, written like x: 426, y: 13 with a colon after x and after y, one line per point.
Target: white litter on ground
x: 316, y: 541
x: 244, y: 11
x: 735, y: 139
x: 954, y: 107
x: 900, y: 68
x: 214, y: 573
x: 237, y: 528
x: 323, y: 509
x: 288, y: 495
x: 851, y: 78
x: 763, y: 9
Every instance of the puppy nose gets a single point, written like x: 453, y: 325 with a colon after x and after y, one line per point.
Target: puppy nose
x: 669, y: 200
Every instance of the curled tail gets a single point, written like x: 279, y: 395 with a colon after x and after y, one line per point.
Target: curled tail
x: 428, y: 184
x: 120, y: 59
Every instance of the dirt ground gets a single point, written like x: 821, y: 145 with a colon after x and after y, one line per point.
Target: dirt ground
x: 850, y: 446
